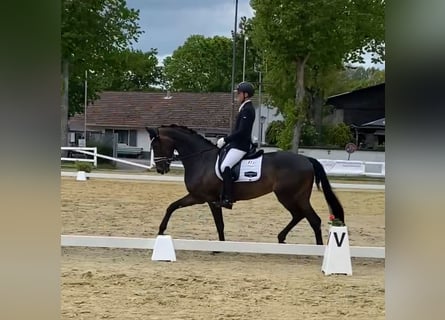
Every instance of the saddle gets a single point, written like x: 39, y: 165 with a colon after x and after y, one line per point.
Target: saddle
x: 247, y: 169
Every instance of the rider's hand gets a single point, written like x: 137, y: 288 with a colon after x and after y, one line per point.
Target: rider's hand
x: 220, y: 143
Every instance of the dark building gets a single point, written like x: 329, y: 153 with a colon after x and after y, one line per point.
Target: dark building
x: 364, y: 111
x: 359, y: 106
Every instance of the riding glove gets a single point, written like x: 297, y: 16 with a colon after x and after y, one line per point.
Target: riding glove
x: 220, y: 143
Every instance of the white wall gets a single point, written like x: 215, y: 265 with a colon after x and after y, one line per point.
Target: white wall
x: 377, y: 156
x: 270, y: 116
x: 143, y: 139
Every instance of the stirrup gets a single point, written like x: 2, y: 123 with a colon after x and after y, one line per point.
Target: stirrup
x: 226, y: 204
x: 223, y: 204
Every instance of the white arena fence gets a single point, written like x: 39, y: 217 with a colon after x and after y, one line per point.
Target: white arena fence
x: 96, y: 155
x: 332, y: 167
x: 222, y: 246
x: 83, y: 150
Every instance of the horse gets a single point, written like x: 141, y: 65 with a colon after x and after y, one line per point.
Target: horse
x: 289, y: 175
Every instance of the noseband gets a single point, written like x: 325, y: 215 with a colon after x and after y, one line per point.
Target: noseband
x: 159, y: 159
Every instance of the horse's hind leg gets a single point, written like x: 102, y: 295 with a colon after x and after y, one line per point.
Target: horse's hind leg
x: 300, y: 211
x: 315, y: 222
x: 218, y: 218
x: 297, y: 215
x: 186, y: 201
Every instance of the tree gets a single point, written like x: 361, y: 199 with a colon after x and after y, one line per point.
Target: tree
x: 204, y: 64
x: 200, y: 65
x: 134, y: 70
x: 360, y: 77
x: 273, y: 131
x: 92, y: 31
x: 296, y: 35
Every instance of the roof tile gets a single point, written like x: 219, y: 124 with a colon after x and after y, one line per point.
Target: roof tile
x: 141, y: 109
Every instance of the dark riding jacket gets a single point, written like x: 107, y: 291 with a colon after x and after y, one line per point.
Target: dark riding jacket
x: 241, y: 137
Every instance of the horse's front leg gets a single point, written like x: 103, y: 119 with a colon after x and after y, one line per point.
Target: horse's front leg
x: 219, y: 221
x: 186, y: 201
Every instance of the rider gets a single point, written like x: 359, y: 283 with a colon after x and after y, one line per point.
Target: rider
x: 239, y: 141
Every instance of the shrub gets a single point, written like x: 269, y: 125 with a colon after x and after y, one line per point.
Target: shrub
x: 338, y: 135
x: 84, y: 166
x: 104, y: 149
x: 309, y: 135
x: 273, y: 132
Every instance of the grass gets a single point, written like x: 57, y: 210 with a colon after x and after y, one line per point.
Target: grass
x: 100, y: 166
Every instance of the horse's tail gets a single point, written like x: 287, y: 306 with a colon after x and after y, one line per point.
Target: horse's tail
x: 331, y: 198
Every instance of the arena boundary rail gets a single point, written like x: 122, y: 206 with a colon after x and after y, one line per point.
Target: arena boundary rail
x: 221, y: 246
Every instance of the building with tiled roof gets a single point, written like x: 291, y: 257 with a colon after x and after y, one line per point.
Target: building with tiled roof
x: 128, y: 113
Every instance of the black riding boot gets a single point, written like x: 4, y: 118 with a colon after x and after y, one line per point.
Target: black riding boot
x: 226, y: 197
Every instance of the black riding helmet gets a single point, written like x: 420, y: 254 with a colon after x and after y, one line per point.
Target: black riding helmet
x: 246, y: 87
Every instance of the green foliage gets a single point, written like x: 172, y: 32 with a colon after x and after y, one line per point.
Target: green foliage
x: 102, y: 148
x: 92, y: 32
x: 338, y: 135
x: 83, y: 166
x: 309, y: 135
x: 302, y: 39
x: 350, y: 79
x: 200, y: 64
x: 290, y: 119
x: 134, y: 70
x: 330, y: 31
x: 280, y: 133
x: 273, y: 131
x: 204, y: 64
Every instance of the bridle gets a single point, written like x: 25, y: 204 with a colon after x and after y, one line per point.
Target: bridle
x: 169, y: 160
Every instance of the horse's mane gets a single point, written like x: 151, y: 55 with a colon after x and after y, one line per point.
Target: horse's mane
x: 188, y: 130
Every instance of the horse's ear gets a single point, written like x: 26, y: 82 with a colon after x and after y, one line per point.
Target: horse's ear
x: 152, y: 132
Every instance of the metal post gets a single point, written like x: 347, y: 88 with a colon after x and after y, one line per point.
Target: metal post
x: 85, y: 109
x: 244, y: 58
x: 233, y: 67
x: 259, y: 110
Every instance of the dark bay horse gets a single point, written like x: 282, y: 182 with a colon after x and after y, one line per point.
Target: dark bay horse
x: 290, y: 176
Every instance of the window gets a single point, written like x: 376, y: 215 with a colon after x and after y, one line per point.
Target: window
x: 129, y: 137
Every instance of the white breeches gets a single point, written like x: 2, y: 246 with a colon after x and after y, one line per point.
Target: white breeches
x: 232, y: 158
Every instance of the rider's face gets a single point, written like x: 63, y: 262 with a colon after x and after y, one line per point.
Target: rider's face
x: 240, y: 97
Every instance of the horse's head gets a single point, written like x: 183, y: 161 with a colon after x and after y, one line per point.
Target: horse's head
x: 163, y: 149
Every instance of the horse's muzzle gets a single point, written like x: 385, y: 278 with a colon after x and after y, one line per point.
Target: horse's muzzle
x: 163, y: 170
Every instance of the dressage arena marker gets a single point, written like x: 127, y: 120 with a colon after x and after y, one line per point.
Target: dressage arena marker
x: 337, y: 255
x: 81, y: 176
x: 163, y: 249
x: 223, y: 246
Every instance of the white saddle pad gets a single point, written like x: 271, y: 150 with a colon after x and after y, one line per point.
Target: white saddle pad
x: 250, y: 170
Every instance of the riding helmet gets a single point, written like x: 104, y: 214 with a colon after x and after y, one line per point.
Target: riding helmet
x: 246, y: 87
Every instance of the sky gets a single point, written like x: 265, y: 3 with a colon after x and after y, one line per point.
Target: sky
x: 168, y: 23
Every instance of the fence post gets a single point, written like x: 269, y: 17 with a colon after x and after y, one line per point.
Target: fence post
x: 95, y: 157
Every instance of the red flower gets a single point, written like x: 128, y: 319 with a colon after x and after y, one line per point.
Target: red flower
x: 331, y: 217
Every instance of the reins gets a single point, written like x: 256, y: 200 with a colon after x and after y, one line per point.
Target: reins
x: 175, y: 157
x: 180, y: 158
